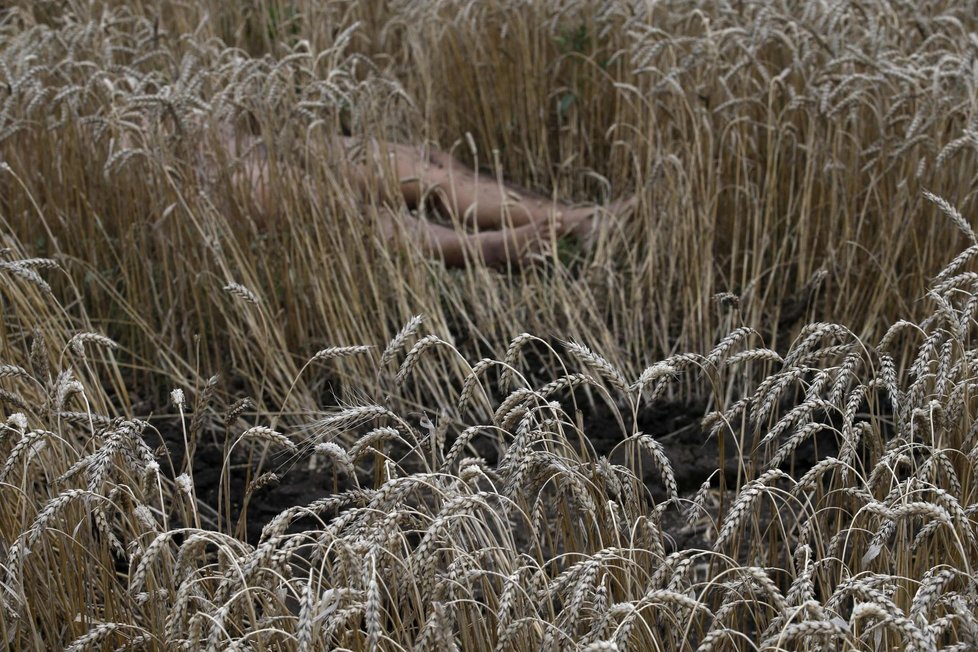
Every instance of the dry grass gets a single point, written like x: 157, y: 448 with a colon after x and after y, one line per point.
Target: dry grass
x: 780, y: 157
x: 551, y: 546
x: 805, y: 174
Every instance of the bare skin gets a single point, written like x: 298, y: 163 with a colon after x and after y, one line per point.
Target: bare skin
x: 476, y: 199
x: 510, y: 223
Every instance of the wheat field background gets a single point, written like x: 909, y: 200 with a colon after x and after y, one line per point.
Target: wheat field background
x: 797, y: 278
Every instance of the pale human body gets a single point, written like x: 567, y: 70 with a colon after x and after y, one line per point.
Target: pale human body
x: 502, y: 222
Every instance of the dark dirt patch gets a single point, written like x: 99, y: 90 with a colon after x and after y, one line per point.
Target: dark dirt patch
x: 694, y: 456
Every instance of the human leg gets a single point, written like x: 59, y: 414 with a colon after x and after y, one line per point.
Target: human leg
x: 456, y: 190
x: 460, y: 192
x: 495, y: 247
x: 473, y: 198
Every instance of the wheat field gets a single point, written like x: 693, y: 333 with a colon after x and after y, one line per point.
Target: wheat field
x: 739, y: 417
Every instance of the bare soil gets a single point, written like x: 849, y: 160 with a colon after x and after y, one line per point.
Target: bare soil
x: 694, y: 456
